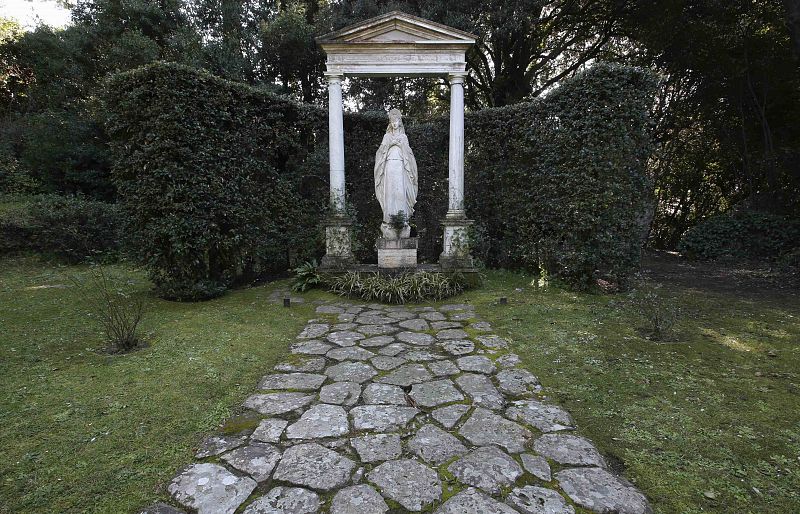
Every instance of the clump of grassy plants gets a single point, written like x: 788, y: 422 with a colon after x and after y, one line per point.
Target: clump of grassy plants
x: 398, y: 289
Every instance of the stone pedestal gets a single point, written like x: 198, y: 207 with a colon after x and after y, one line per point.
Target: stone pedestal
x: 397, y: 253
x: 338, y: 244
x: 456, y: 251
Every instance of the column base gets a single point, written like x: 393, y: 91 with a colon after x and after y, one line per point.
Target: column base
x: 397, y: 253
x: 338, y: 243
x: 456, y: 250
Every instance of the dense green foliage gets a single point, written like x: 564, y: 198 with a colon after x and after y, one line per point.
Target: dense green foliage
x: 742, y: 235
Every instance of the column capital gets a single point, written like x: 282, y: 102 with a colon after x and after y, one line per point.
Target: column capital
x: 457, y: 78
x: 333, y: 77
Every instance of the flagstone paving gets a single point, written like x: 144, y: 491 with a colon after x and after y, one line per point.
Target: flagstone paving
x: 396, y: 409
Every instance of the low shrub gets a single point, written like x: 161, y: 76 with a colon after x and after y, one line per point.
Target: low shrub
x: 401, y: 288
x: 307, y: 276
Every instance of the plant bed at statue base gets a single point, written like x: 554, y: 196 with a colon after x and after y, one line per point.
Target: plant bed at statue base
x: 397, y: 287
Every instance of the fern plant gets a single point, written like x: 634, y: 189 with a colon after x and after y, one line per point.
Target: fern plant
x: 306, y: 276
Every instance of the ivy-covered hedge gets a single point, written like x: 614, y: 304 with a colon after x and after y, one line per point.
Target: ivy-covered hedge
x: 223, y: 181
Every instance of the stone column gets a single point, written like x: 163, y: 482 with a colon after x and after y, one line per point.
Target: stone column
x: 455, y: 252
x: 338, y: 246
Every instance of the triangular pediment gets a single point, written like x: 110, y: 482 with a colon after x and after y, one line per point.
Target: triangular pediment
x: 397, y: 27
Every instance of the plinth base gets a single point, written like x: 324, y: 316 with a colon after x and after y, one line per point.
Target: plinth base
x: 338, y: 246
x: 456, y: 251
x: 397, y: 253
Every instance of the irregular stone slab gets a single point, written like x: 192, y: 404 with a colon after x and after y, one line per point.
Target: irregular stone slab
x: 375, y: 342
x: 493, y: 342
x: 508, y: 360
x: 435, y: 446
x: 538, y: 500
x: 477, y: 363
x: 402, y: 315
x: 344, y: 338
x: 547, y: 418
x: 298, y: 381
x: 406, y: 375
x: 269, y: 430
x: 432, y: 316
x: 481, y: 390
x: 449, y: 416
x: 308, y: 365
x: 536, y: 466
x: 384, y: 394
x: 473, y: 501
x: 419, y: 325
x: 481, y: 326
x: 314, y: 330
x: 458, y: 347
x: 416, y: 338
x: 377, y: 447
x: 351, y: 372
x: 431, y: 394
x: 210, y: 489
x: 346, y: 317
x: 485, y: 427
x: 598, y: 490
x: 462, y: 316
x: 373, y: 319
x: 286, y: 500
x: 516, y: 382
x: 321, y: 420
x: 256, y: 459
x: 381, y: 417
x: 568, y: 449
x: 393, y: 349
x: 442, y: 368
x: 314, y: 466
x: 358, y: 499
x: 409, y: 483
x: 421, y: 356
x: 340, y: 393
x: 385, y: 363
x: 329, y: 309
x: 216, y: 444
x: 271, y: 404
x: 161, y: 508
x: 344, y: 326
x: 451, y: 333
x: 456, y: 307
x: 376, y: 330
x: 352, y: 353
x: 487, y: 468
x: 443, y: 325
x: 312, y: 347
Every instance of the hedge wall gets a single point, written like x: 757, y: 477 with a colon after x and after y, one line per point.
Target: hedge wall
x: 223, y: 181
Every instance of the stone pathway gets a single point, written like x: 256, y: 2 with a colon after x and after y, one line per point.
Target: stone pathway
x: 395, y: 409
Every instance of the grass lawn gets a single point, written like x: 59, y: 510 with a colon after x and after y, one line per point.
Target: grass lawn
x: 707, y: 422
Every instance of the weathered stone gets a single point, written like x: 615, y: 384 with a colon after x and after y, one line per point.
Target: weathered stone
x: 321, y: 420
x: 449, y: 416
x: 408, y: 482
x: 472, y: 501
x: 538, y: 500
x: 484, y: 428
x: 352, y: 353
x: 285, y: 500
x: 393, y: 349
x: 312, y: 347
x: 385, y: 363
x: 416, y: 338
x: 516, y: 381
x: 210, y: 489
x: 344, y: 326
x: 358, y: 499
x: 568, y: 449
x: 458, y: 347
x: 442, y: 368
x: 346, y: 317
x: 451, y: 333
x: 269, y: 430
x: 547, y: 418
x: 314, y: 466
x: 444, y: 325
x: 456, y: 307
x: 536, y: 466
x: 307, y: 365
x: 375, y: 342
x: 340, y: 393
x: 402, y: 315
x: 421, y: 356
x: 298, y: 381
x: 377, y: 447
x: 432, y: 316
x: 216, y: 444
x: 377, y: 330
x: 415, y: 324
x: 493, y: 342
x: 344, y: 338
x: 384, y: 394
x: 435, y: 446
x: 381, y: 418
x: 161, y: 508
x: 481, y: 390
x: 329, y: 309
x: 271, y: 404
x: 431, y: 394
x: 598, y: 490
x: 256, y: 459
x: 487, y: 468
x: 351, y: 372
x: 477, y: 363
x: 406, y: 375
x: 373, y: 319
x: 508, y: 360
x: 481, y: 326
x: 314, y: 330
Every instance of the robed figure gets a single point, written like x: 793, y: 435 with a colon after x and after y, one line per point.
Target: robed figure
x: 395, y: 178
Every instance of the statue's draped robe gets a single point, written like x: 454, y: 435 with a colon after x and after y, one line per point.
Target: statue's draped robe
x: 395, y: 176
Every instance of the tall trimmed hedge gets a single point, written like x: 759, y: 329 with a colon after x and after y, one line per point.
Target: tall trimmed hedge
x: 223, y: 181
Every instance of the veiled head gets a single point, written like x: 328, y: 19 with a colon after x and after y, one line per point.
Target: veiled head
x: 396, y: 122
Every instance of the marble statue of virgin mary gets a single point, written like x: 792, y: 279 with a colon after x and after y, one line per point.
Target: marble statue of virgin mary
x: 395, y: 176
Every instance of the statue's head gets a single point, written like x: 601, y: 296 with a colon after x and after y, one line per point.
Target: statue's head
x: 395, y: 121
